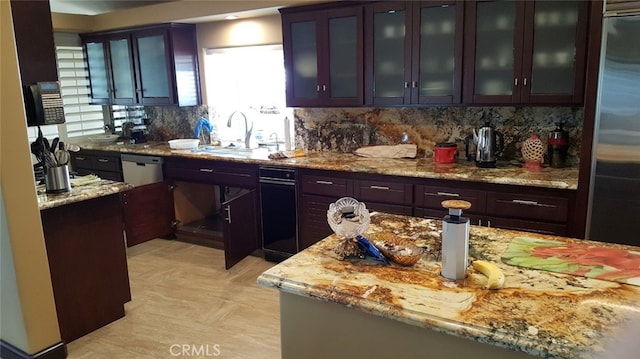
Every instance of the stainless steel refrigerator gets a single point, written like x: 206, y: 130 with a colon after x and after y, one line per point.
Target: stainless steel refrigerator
x: 614, y: 202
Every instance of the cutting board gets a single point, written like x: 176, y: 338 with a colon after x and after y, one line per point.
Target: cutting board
x: 407, y: 150
x: 580, y: 259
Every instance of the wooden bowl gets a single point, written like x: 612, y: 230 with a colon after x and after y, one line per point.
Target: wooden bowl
x: 396, y: 249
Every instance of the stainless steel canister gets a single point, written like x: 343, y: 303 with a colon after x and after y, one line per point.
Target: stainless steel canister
x: 56, y: 180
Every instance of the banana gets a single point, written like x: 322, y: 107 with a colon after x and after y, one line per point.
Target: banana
x: 493, y: 273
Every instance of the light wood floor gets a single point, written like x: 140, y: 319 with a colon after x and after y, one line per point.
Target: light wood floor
x: 183, y: 295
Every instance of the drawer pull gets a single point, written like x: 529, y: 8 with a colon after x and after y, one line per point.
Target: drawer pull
x: 208, y: 170
x: 324, y: 182
x: 448, y: 194
x: 78, y: 158
x: 379, y: 187
x: 102, y: 160
x: 531, y: 203
x: 526, y: 203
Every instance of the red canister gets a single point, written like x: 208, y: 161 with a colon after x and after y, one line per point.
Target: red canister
x: 445, y: 152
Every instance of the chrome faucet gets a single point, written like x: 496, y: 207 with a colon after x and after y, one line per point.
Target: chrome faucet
x: 247, y: 130
x: 277, y: 144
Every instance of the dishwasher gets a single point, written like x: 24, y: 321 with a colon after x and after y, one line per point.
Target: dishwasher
x: 278, y: 205
x: 141, y: 170
x: 148, y: 208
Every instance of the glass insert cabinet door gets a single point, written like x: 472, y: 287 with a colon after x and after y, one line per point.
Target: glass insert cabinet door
x: 323, y: 56
x: 556, y: 36
x: 122, y: 71
x: 343, y: 57
x: 390, y: 80
x: 152, y: 57
x: 494, y: 48
x: 439, y: 59
x: 97, y: 72
x: 304, y: 54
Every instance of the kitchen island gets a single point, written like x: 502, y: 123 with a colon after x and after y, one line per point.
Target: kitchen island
x: 354, y: 309
x: 83, y: 233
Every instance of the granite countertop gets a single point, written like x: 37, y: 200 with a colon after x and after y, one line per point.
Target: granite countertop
x: 80, y: 193
x: 563, y: 178
x: 546, y: 314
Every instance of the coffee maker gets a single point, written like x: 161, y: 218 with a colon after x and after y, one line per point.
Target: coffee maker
x: 558, y: 146
x: 488, y: 143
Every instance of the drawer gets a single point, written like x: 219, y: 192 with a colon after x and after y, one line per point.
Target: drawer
x: 529, y: 207
x: 212, y: 172
x: 527, y: 226
x: 236, y: 176
x: 382, y: 191
x: 81, y: 162
x: 104, y: 163
x: 113, y: 176
x: 432, y: 197
x: 474, y: 219
x: 326, y: 186
x: 389, y: 208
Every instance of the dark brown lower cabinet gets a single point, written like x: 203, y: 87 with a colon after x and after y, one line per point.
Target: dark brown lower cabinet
x: 104, y: 164
x: 312, y: 216
x: 88, y: 264
x: 527, y: 226
x: 318, y: 189
x: 215, y: 204
x: 521, y: 208
x: 239, y: 227
x: 148, y: 212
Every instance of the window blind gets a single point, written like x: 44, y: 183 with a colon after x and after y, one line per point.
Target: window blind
x: 81, y: 118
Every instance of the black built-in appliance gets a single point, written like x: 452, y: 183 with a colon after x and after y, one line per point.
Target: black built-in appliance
x: 278, y: 204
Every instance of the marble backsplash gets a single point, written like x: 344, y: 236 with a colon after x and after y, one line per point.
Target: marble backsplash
x: 170, y: 122
x: 346, y: 129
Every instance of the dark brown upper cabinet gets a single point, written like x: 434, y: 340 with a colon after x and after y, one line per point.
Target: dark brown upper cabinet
x: 413, y: 52
x: 34, y: 41
x: 525, y: 52
x: 154, y: 65
x: 323, y: 51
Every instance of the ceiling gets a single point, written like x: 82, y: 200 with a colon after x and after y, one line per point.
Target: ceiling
x: 95, y: 7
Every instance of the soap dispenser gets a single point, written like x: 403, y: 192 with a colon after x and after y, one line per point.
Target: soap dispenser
x: 455, y: 240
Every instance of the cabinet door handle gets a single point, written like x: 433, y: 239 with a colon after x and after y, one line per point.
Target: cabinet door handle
x: 448, y: 194
x: 324, y: 88
x: 228, y: 210
x: 525, y: 202
x: 324, y: 182
x: 524, y: 82
x: 208, y: 170
x: 532, y: 203
x: 406, y: 84
x: 489, y: 224
x: 379, y: 187
x: 479, y: 222
x: 103, y: 160
x: 414, y: 84
x: 317, y: 88
x: 515, y: 82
